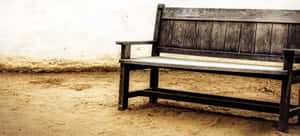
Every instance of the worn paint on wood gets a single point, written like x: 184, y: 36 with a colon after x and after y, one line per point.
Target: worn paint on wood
x: 204, y: 35
x: 263, y: 38
x: 239, y: 15
x: 247, y: 39
x: 232, y: 40
x: 218, y: 36
x: 166, y: 32
x: 178, y: 34
x: 279, y: 38
x: 190, y: 35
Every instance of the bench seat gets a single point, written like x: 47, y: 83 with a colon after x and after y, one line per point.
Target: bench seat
x: 167, y: 62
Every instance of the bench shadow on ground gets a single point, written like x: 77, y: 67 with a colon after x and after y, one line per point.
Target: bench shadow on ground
x: 253, y: 124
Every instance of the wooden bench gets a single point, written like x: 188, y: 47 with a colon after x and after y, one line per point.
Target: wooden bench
x: 266, y: 35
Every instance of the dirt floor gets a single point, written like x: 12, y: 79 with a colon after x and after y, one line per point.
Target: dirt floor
x: 84, y: 104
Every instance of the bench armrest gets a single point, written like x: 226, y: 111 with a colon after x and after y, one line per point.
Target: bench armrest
x: 128, y: 43
x: 126, y: 47
x: 290, y: 50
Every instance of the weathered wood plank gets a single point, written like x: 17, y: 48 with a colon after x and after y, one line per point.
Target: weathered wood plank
x: 218, y: 36
x: 190, y: 35
x: 263, y: 38
x: 178, y: 34
x: 224, y: 54
x: 247, y: 39
x: 205, y: 65
x: 279, y: 38
x: 232, y: 39
x: 294, y: 36
x: 240, y: 15
x: 166, y: 32
x: 204, y: 35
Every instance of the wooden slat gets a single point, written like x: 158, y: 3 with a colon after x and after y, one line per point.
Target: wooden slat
x: 190, y: 35
x: 247, y: 39
x: 212, y: 53
x: 232, y: 39
x: 178, y: 34
x: 218, y: 36
x: 263, y: 38
x: 294, y: 36
x: 207, y: 66
x: 240, y: 15
x: 204, y: 34
x: 166, y: 32
x: 279, y: 38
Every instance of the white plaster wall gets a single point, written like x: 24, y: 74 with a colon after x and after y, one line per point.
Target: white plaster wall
x: 87, y: 29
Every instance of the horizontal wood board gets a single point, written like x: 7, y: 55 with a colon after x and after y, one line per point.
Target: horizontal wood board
x: 204, y: 65
x: 240, y: 15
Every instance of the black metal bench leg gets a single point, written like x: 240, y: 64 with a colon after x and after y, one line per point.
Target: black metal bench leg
x: 284, y: 105
x: 124, y: 85
x: 154, y: 77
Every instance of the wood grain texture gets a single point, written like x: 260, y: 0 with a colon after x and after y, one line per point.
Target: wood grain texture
x: 294, y: 36
x: 178, y: 34
x: 204, y: 65
x: 223, y: 54
x: 240, y: 15
x: 263, y: 38
x: 204, y: 30
x: 279, y: 38
x: 190, y: 35
x: 218, y: 36
x: 166, y: 32
x: 244, y: 37
x: 232, y: 39
x: 247, y: 39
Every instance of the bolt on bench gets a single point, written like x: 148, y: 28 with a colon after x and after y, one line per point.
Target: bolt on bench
x: 266, y: 35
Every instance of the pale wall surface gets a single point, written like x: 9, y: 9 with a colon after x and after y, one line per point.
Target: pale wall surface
x: 55, y: 32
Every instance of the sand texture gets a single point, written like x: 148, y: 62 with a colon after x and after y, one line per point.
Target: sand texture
x: 85, y: 104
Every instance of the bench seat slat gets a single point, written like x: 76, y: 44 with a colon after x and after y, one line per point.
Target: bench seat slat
x: 204, y: 65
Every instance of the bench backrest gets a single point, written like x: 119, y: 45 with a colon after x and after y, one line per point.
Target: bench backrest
x: 233, y: 33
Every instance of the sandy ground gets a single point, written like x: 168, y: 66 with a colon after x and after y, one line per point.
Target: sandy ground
x: 85, y: 104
